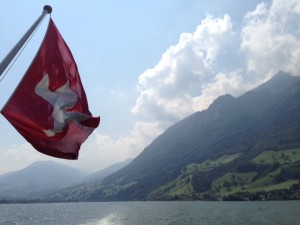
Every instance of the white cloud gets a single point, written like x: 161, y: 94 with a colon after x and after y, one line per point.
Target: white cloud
x: 270, y: 38
x: 169, y: 90
x: 232, y: 83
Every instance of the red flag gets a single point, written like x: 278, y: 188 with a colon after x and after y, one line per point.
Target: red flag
x: 49, y: 108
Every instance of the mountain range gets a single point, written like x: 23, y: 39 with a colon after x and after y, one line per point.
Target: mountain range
x: 247, y: 144
x: 44, y: 177
x: 39, y: 178
x: 245, y: 147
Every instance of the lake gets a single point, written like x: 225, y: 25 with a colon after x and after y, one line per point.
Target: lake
x: 152, y: 213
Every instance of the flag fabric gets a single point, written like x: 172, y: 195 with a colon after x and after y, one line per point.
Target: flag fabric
x: 49, y: 108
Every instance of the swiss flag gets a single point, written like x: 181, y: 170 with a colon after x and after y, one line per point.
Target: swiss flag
x: 49, y: 108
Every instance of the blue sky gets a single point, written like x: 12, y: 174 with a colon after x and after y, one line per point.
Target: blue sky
x: 148, y: 64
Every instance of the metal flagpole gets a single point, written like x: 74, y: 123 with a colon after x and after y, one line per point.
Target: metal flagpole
x: 10, y: 56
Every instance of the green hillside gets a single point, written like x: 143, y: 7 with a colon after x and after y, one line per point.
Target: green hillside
x: 264, y: 179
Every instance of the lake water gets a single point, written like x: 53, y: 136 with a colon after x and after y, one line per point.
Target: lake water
x: 153, y: 213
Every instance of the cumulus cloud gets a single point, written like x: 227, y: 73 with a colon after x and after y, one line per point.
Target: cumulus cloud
x: 271, y: 38
x: 190, y: 74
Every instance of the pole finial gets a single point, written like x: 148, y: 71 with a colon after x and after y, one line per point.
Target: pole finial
x: 48, y: 8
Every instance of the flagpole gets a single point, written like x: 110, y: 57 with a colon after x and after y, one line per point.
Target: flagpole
x: 14, y: 51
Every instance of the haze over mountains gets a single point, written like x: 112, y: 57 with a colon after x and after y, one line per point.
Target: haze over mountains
x: 38, y: 178
x: 44, y: 177
x: 246, y: 144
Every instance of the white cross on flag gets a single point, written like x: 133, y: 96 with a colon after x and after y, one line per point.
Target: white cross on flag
x: 49, y: 108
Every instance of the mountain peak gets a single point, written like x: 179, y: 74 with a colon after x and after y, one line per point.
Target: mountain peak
x: 278, y: 83
x: 37, y: 179
x: 43, y: 163
x: 281, y: 78
x: 222, y: 105
x: 224, y: 99
x: 281, y: 75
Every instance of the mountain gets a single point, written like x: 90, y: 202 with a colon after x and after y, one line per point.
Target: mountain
x: 238, y: 145
x: 99, y: 175
x: 38, y: 179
